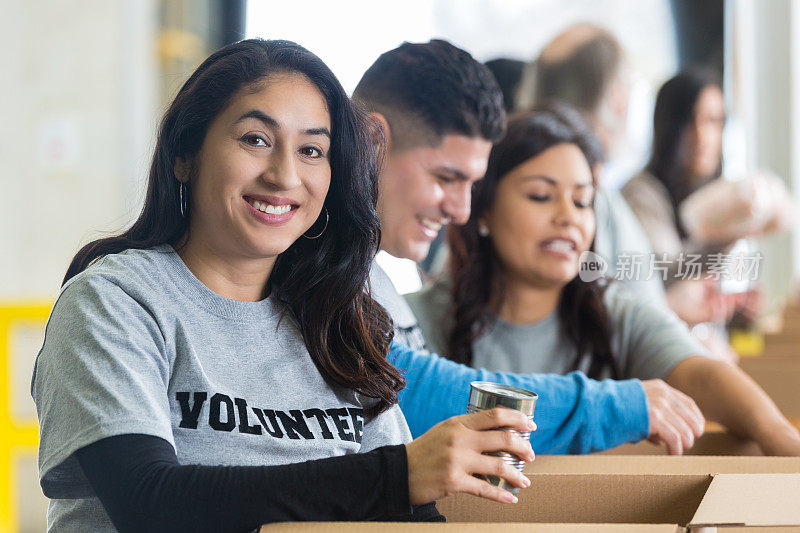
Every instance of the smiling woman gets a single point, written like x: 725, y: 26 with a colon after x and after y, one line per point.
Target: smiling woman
x: 520, y: 305
x: 221, y: 364
x: 268, y: 120
x: 259, y: 182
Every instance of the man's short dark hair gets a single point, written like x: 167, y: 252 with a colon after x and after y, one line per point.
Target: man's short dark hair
x: 429, y: 90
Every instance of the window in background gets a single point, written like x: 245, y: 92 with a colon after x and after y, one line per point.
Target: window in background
x: 347, y: 35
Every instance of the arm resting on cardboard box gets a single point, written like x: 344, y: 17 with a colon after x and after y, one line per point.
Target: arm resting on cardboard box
x: 143, y: 488
x: 727, y: 395
x: 574, y: 414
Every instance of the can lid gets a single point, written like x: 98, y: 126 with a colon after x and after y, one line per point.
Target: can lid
x: 486, y: 395
x: 505, y: 390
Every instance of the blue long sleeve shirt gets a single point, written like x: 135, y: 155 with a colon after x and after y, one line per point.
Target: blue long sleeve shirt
x: 574, y: 414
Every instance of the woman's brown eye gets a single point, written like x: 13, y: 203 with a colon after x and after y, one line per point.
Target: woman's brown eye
x: 254, y: 140
x: 311, y: 151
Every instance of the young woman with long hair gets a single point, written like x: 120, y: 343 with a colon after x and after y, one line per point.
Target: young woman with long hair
x: 515, y: 300
x: 220, y: 364
x: 686, y: 163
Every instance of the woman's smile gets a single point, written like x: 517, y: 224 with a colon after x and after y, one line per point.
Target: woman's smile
x: 560, y: 247
x: 271, y: 210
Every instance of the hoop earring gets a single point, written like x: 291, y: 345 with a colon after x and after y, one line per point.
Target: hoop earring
x: 327, y: 218
x: 182, y: 197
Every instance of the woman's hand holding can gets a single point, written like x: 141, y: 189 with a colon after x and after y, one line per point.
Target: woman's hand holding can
x: 446, y: 459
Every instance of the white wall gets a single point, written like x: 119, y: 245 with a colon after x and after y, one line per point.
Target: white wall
x: 79, y: 106
x: 76, y: 99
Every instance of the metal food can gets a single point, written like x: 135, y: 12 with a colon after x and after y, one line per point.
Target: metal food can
x: 485, y: 395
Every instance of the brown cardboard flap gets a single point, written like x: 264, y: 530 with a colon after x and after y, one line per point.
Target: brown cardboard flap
x: 381, y: 527
x: 772, y: 529
x: 779, y: 379
x: 666, y: 464
x: 751, y: 500
x: 707, y: 444
x: 781, y: 349
x: 589, y: 498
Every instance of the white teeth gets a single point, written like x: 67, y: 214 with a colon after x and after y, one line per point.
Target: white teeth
x: 278, y: 209
x: 560, y: 246
x: 430, y: 224
x: 271, y: 209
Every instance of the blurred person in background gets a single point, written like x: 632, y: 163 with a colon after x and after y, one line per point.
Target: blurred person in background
x: 686, y: 209
x: 585, y: 67
x: 439, y: 112
x: 508, y: 73
x: 688, y: 124
x: 516, y: 301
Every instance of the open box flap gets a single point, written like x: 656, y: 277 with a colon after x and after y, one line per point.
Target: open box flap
x: 750, y: 500
x: 589, y: 498
x: 382, y: 527
x: 662, y: 464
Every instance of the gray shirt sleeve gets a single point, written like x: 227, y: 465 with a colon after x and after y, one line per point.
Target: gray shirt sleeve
x: 103, y: 371
x: 648, y: 339
x: 387, y: 428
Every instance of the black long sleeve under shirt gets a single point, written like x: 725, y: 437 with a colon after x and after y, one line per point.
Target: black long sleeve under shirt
x: 143, y: 488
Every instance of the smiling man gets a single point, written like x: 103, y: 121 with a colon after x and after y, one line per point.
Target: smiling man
x: 440, y: 111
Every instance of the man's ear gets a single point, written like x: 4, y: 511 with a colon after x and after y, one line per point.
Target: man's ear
x: 385, y: 131
x: 182, y: 168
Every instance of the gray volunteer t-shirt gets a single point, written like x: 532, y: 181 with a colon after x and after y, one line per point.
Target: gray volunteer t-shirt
x: 406, y: 329
x: 647, y: 339
x: 137, y: 344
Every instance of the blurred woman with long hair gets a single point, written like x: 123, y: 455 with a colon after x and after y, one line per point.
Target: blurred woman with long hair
x: 690, y: 214
x: 524, y: 295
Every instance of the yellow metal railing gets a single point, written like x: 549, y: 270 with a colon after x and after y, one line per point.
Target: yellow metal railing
x: 18, y: 438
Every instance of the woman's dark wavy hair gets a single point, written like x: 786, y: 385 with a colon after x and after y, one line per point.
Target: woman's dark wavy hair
x: 477, y: 278
x: 673, y: 114
x: 321, y: 281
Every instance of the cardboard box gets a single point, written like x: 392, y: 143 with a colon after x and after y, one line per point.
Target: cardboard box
x: 779, y: 350
x: 655, y: 464
x: 580, y: 494
x: 780, y: 379
x: 710, y: 443
x: 694, y: 501
x: 381, y: 527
